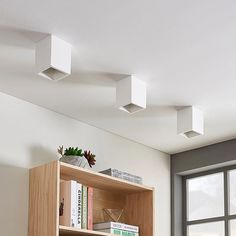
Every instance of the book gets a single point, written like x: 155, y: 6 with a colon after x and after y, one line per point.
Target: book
x: 123, y: 175
x: 131, y: 228
x: 79, y: 219
x: 90, y: 208
x: 119, y: 232
x: 68, y: 203
x: 116, y: 225
x: 84, y: 207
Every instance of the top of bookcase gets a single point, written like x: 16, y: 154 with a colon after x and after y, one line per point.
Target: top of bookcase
x: 99, y: 180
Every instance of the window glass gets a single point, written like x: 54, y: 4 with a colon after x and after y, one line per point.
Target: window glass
x: 232, y: 191
x: 205, y: 197
x: 232, y: 227
x: 207, y: 229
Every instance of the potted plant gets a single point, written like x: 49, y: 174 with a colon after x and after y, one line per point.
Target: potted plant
x: 76, y: 156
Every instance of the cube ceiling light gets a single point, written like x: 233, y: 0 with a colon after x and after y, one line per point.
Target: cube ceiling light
x: 131, y: 94
x: 190, y: 122
x: 53, y: 58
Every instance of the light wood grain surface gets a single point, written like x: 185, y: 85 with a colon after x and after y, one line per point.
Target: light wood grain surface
x: 140, y: 211
x: 44, y: 200
x: 69, y: 231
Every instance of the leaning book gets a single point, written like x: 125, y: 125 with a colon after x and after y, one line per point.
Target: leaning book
x: 68, y: 212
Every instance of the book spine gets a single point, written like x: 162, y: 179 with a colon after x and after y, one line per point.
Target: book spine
x: 108, y: 225
x: 79, y: 191
x: 123, y: 175
x: 105, y: 225
x: 90, y: 208
x: 129, y: 233
x: 116, y: 225
x: 115, y: 231
x: 131, y: 228
x: 131, y: 178
x: 125, y: 227
x: 74, y: 204
x: 112, y: 231
x: 119, y: 232
x: 84, y: 207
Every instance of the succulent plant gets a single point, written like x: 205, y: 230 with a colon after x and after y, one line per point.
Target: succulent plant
x: 60, y: 150
x: 71, y: 151
x: 76, y: 152
x: 90, y: 158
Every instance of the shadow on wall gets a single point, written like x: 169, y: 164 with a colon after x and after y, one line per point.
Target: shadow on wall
x: 40, y: 155
x: 18, y: 37
x: 13, y: 201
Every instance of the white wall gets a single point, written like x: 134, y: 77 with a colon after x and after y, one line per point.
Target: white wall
x: 30, y: 135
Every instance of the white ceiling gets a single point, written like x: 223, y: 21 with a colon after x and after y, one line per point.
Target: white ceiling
x: 185, y: 50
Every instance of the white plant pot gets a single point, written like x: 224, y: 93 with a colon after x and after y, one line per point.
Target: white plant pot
x: 74, y: 160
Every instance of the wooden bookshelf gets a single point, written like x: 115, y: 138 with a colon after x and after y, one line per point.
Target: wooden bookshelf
x: 109, y: 192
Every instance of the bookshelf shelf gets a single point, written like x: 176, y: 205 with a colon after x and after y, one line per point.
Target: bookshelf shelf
x: 70, y: 231
x: 109, y: 192
x: 98, y: 180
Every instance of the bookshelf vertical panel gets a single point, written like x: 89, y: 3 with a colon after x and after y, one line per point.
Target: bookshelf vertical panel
x: 44, y: 200
x: 140, y: 211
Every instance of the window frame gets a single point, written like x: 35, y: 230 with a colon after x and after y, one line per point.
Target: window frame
x: 227, y: 217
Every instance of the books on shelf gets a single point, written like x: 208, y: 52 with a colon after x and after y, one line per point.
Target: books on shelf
x: 76, y: 202
x: 123, y: 175
x: 76, y: 210
x: 117, y: 228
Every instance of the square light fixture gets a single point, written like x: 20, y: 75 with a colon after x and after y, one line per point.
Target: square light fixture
x: 53, y: 58
x: 190, y: 122
x: 131, y: 94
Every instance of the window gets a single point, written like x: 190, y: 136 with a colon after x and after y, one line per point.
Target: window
x: 210, y: 203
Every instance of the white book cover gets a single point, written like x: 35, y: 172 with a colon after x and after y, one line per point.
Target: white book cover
x: 79, y: 219
x: 74, y: 204
x: 116, y: 225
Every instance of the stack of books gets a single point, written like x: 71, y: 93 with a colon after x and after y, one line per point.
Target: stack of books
x: 117, y: 228
x: 123, y: 175
x: 76, y: 205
